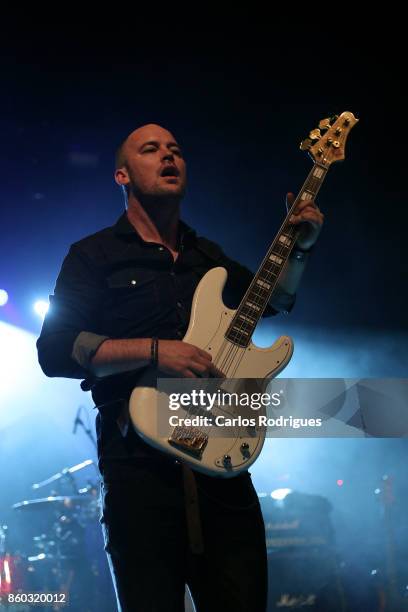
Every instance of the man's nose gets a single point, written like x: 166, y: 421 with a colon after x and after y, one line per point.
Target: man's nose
x: 168, y: 155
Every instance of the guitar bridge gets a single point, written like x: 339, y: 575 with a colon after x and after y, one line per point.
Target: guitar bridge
x: 189, y: 440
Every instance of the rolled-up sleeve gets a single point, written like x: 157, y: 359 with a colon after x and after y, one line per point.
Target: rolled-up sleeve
x: 69, y: 336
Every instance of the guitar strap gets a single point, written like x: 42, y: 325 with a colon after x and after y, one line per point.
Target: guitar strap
x: 194, y: 528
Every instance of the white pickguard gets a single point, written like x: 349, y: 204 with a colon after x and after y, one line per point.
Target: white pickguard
x: 208, y: 324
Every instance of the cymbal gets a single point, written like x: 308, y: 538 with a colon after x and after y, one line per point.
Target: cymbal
x: 63, y: 500
x: 66, y: 472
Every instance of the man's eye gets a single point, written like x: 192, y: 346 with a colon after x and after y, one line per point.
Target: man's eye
x: 149, y: 150
x: 176, y: 151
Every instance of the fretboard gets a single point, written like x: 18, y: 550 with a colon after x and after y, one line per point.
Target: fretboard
x: 265, y: 280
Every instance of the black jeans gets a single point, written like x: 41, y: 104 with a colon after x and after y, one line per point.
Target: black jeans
x: 144, y: 524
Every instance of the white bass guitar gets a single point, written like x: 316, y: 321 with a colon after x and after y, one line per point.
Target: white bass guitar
x: 226, y: 334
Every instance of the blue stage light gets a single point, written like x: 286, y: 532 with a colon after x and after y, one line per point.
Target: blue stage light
x: 3, y: 297
x: 41, y: 308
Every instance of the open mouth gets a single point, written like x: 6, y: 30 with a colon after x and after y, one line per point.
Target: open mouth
x: 170, y: 171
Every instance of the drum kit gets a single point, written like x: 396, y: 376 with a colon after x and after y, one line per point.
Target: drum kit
x: 59, y: 545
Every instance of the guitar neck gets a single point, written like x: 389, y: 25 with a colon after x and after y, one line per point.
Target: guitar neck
x: 265, y: 280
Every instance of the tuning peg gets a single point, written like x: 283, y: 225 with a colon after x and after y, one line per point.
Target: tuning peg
x: 315, y: 135
x: 324, y: 124
x: 305, y: 144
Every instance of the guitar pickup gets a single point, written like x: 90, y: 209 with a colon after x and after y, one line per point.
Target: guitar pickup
x: 190, y: 440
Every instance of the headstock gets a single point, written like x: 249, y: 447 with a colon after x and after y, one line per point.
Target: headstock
x: 329, y: 147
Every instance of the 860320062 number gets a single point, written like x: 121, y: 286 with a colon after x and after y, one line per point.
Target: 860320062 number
x: 36, y: 598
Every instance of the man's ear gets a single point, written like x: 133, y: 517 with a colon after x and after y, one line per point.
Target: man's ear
x: 122, y: 176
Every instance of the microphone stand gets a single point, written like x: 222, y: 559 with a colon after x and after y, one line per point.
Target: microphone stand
x: 79, y: 421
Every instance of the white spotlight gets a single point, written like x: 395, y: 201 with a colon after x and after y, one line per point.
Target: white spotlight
x: 3, y: 297
x: 41, y: 308
x: 280, y: 493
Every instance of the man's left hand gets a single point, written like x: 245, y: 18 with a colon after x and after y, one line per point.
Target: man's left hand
x: 308, y: 216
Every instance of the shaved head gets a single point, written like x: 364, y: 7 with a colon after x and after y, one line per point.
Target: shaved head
x: 120, y: 156
x: 149, y: 164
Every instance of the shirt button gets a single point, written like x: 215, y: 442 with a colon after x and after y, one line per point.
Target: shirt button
x: 172, y: 273
x: 133, y: 282
x: 179, y: 304
x: 179, y: 333
x: 161, y: 248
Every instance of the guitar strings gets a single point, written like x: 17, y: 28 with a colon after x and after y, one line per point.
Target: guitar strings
x: 291, y: 231
x: 235, y: 350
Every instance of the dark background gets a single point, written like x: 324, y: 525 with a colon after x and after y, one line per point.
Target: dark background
x: 239, y: 98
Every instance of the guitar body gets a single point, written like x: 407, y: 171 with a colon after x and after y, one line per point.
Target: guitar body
x: 209, y: 322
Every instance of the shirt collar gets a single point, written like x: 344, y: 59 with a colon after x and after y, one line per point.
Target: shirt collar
x: 123, y: 227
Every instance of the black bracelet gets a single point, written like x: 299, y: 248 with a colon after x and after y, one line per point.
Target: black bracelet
x: 300, y: 254
x: 154, y: 352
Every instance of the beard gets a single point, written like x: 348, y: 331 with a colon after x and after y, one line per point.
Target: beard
x: 156, y: 192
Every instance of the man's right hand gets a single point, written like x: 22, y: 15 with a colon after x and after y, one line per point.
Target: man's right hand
x: 179, y: 358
